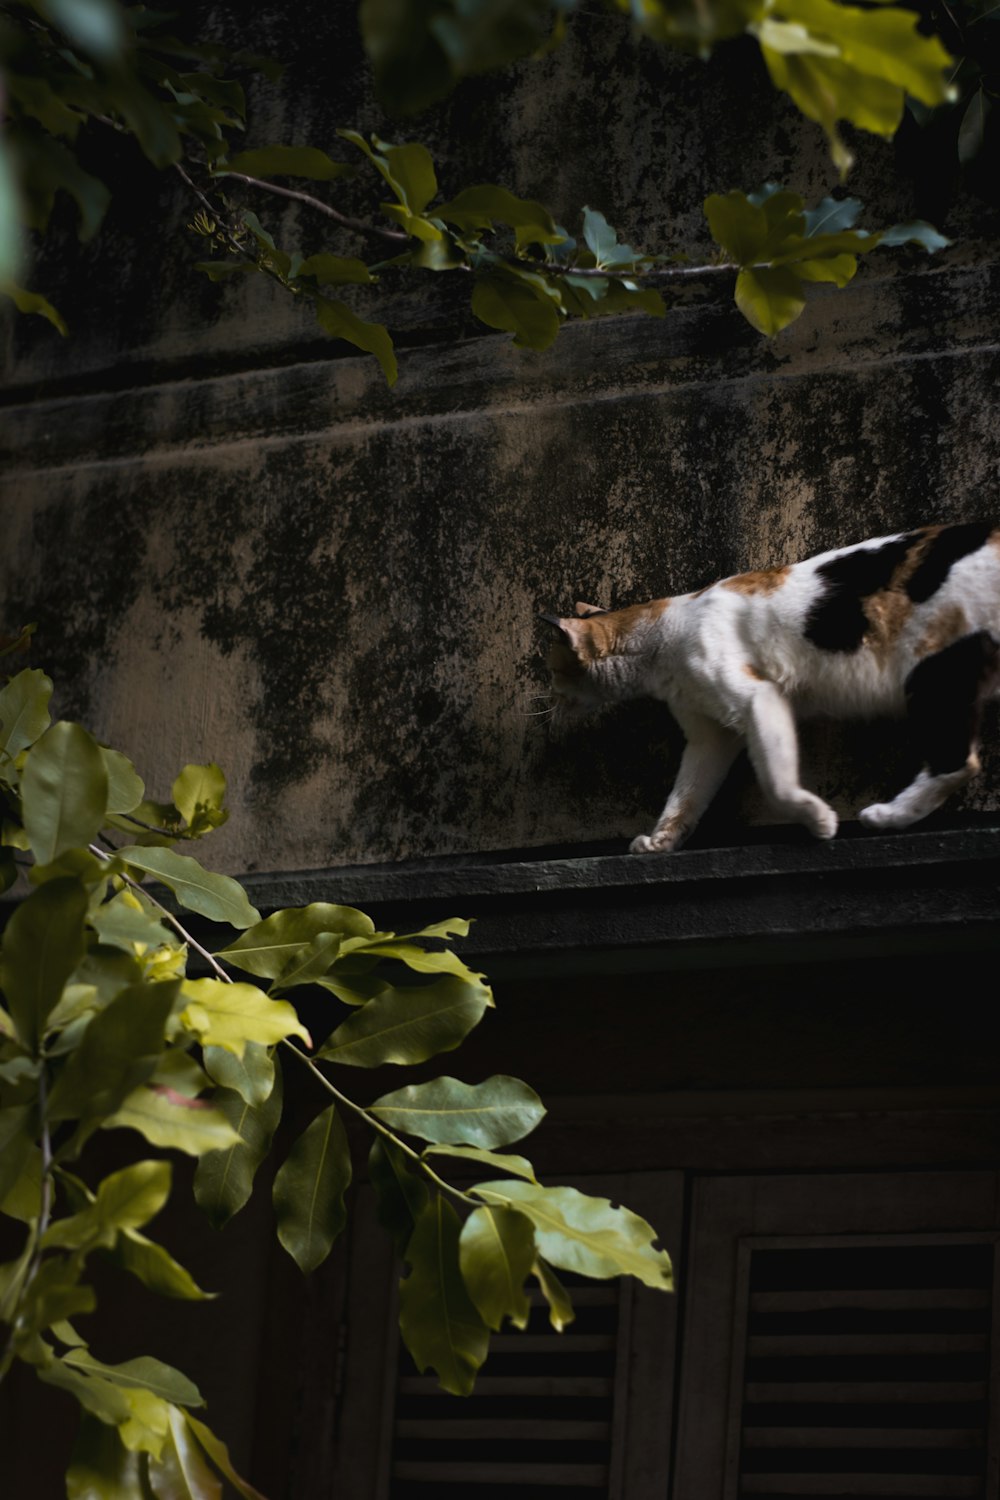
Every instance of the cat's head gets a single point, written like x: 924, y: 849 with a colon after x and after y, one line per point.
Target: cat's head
x: 596, y: 659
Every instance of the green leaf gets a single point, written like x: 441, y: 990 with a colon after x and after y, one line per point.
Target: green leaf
x: 117, y: 1053
x: 267, y: 948
x: 481, y: 207
x: 95, y: 26
x: 769, y: 297
x: 422, y: 960
x: 401, y: 1195
x: 408, y: 1025
x: 514, y: 306
x: 884, y: 43
x: 309, y: 963
x: 231, y: 1015
x: 43, y: 943
x: 101, y: 1467
x: 832, y: 215
x: 178, y: 1070
x: 917, y: 233
x: 408, y: 169
x: 561, y: 1312
x: 337, y: 319
x: 181, y: 1472
x: 17, y: 1136
x: 198, y: 794
x: 47, y: 167
x: 51, y: 1295
x: 155, y: 1267
x: 171, y: 1120
x: 584, y: 1234
x: 285, y: 161
x: 219, y: 1454
x: 335, y: 270
x: 973, y: 127
x: 124, y: 1200
x: 99, y: 1397
x: 604, y: 243
x: 496, y: 1253
x: 251, y: 1076
x: 144, y: 1373
x: 449, y: 1112
x: 23, y: 1198
x: 125, y: 787
x: 309, y: 1191
x: 119, y: 924
x: 24, y: 711
x: 217, y: 897
x: 440, y: 1324
x: 738, y: 225
x: 64, y: 790
x: 519, y: 1166
x: 223, y: 1180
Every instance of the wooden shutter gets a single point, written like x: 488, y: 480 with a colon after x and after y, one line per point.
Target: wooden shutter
x: 582, y: 1415
x: 539, y: 1423
x: 842, y: 1338
x: 866, y: 1370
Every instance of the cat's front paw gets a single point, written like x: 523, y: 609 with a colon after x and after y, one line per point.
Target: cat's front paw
x: 820, y: 819
x: 653, y: 843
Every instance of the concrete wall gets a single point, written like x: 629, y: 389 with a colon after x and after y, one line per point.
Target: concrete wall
x: 240, y: 545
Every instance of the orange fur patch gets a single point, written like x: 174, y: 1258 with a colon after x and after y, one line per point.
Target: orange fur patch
x: 888, y: 610
x: 752, y: 672
x: 949, y: 625
x: 608, y: 634
x: 765, y: 581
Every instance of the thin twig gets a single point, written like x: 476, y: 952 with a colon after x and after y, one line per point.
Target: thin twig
x: 174, y: 921
x: 317, y: 203
x: 376, y: 1124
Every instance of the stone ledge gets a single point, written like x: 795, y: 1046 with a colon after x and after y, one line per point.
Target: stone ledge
x: 770, y: 902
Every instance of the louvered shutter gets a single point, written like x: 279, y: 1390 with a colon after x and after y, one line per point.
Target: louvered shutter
x: 866, y: 1371
x: 842, y: 1338
x: 539, y: 1423
x: 585, y: 1414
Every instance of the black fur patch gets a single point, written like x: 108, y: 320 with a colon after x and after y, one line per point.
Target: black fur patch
x: 946, y: 548
x: 837, y: 620
x: 944, y: 697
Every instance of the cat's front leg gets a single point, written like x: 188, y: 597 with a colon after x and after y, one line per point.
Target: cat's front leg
x: 707, y: 757
x: 773, y: 743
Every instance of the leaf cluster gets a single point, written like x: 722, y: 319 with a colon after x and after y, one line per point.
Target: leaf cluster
x: 837, y: 62
x: 779, y: 247
x: 78, y: 64
x: 103, y: 1027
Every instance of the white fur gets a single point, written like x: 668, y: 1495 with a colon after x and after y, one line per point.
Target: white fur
x: 737, y: 669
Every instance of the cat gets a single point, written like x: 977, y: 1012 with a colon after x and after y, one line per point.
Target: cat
x: 902, y: 624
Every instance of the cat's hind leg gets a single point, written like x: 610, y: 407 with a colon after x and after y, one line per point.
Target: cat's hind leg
x: 705, y: 763
x: 773, y: 742
x: 945, y: 693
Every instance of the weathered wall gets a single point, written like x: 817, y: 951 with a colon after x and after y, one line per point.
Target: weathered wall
x: 239, y: 545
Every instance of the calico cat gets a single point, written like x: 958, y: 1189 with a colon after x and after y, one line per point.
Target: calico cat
x: 904, y: 624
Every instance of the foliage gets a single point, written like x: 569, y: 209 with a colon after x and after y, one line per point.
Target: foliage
x: 974, y: 37
x: 75, y: 65
x: 105, y: 1028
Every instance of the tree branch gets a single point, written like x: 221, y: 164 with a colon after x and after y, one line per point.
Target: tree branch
x: 317, y: 203
x: 377, y: 1125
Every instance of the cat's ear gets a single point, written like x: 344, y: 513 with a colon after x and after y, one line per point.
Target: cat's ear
x: 584, y: 611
